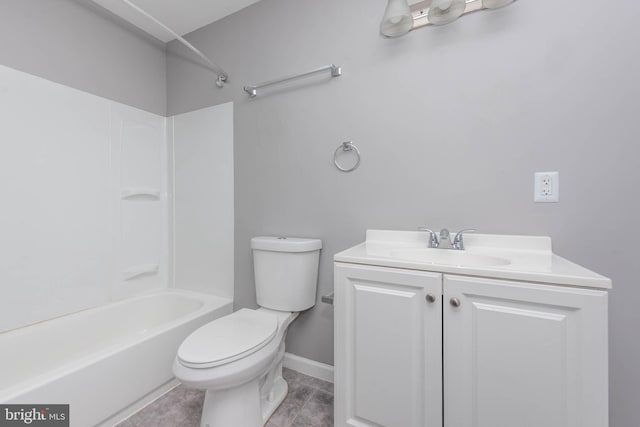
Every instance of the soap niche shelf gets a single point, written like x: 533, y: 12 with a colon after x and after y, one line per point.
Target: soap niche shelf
x: 140, y: 193
x: 140, y: 270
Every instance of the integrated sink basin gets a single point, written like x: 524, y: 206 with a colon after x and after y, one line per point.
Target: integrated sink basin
x: 522, y: 258
x: 448, y: 257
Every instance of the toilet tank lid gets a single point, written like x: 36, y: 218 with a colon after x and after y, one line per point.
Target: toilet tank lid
x: 285, y: 244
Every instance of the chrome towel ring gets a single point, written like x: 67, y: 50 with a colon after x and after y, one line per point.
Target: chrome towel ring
x: 347, y: 147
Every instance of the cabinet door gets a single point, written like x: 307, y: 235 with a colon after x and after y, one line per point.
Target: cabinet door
x: 388, y: 347
x: 524, y: 355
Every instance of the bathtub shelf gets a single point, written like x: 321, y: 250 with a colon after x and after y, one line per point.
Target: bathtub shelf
x: 140, y: 270
x: 141, y: 193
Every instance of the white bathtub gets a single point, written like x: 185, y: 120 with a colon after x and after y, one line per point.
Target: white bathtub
x: 103, y: 360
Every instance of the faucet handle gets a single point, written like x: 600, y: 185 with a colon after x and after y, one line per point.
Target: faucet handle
x: 433, y: 237
x: 458, y: 243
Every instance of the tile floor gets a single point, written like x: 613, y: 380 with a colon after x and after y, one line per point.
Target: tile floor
x: 308, y: 404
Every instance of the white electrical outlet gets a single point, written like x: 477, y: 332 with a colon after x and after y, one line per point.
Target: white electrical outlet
x: 546, y: 187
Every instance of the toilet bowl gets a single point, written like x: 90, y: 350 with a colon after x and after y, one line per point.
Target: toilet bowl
x: 238, y: 358
x: 243, y: 377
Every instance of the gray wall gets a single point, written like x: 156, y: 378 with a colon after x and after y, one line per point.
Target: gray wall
x: 452, y: 123
x: 79, y: 44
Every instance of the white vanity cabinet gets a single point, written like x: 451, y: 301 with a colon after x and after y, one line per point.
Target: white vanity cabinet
x: 515, y: 353
x: 422, y: 344
x: 521, y: 354
x: 388, y: 367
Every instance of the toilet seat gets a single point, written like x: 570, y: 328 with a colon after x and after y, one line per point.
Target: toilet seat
x: 228, y: 338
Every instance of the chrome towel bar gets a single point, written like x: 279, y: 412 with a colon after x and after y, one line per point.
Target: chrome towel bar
x: 252, y: 90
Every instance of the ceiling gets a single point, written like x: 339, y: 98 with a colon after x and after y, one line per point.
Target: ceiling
x: 182, y: 16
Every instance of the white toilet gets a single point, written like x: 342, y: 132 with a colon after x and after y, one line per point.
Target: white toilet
x: 237, y: 359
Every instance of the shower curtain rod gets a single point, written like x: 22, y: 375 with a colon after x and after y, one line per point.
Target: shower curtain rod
x: 222, y: 75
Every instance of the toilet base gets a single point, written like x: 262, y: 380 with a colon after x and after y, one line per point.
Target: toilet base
x: 272, y: 401
x: 242, y: 406
x: 239, y: 406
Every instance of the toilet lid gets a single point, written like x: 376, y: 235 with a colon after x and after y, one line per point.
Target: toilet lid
x: 228, y: 338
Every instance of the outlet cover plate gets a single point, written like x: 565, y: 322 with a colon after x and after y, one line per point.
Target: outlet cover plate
x: 546, y: 187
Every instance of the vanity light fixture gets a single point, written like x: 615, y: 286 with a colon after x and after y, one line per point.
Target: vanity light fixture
x: 400, y: 18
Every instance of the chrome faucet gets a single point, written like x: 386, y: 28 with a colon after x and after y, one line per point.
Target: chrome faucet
x: 444, y: 242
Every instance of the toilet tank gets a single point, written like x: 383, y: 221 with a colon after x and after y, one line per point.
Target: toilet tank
x: 286, y: 272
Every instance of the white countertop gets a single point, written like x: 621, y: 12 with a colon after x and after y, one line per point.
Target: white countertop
x: 526, y: 258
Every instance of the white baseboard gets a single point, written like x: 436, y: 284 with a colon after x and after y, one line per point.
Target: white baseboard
x: 308, y: 367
